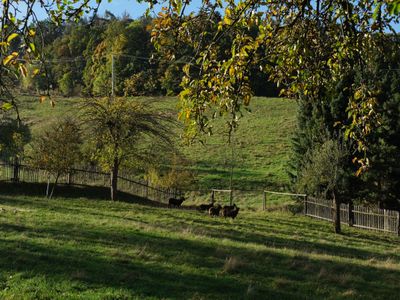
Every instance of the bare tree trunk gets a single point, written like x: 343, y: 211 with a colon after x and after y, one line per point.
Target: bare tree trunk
x: 16, y: 170
x: 48, y: 186
x: 336, y: 213
x: 114, y: 180
x: 351, y: 213
x: 54, y: 186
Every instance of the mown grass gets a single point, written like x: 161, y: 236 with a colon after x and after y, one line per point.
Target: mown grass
x: 75, y: 247
x: 261, y: 145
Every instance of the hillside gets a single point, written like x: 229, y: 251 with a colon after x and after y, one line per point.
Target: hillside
x: 83, y: 248
x: 261, y: 145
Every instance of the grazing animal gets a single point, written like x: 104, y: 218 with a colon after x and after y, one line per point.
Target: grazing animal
x: 228, y: 208
x: 173, y: 202
x: 214, y: 211
x: 232, y: 213
x: 205, y: 207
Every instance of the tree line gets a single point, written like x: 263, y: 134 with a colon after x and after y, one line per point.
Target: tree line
x: 83, y: 59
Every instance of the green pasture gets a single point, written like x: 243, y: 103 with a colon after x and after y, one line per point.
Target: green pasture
x: 79, y: 246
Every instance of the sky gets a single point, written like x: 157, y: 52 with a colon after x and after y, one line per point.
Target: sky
x: 119, y: 7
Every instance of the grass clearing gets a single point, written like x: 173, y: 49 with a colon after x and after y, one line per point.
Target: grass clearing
x: 86, y: 248
x: 261, y: 146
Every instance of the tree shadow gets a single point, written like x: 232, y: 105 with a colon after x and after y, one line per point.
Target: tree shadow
x: 154, y: 265
x: 72, y: 192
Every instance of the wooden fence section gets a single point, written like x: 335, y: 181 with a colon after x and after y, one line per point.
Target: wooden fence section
x: 89, y: 178
x: 280, y: 193
x: 357, y: 216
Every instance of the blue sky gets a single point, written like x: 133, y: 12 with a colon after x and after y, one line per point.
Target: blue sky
x: 119, y: 7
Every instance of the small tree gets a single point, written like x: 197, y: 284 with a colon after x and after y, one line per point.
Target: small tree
x: 325, y: 174
x: 118, y: 131
x: 13, y: 138
x: 57, y: 150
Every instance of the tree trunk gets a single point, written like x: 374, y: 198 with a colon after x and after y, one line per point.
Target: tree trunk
x: 16, y: 170
x: 351, y: 213
x: 336, y: 214
x: 48, y: 186
x: 114, y: 180
x: 54, y: 186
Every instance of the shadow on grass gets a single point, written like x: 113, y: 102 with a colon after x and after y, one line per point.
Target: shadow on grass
x: 151, y: 265
x: 151, y: 262
x: 72, y: 192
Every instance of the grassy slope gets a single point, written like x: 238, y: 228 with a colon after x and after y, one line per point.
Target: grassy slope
x: 261, y: 144
x: 80, y: 248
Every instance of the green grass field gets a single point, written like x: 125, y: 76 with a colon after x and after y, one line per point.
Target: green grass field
x: 261, y: 145
x: 80, y: 247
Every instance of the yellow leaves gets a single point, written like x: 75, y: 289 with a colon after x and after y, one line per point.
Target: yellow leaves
x: 23, y: 70
x: 11, y: 37
x: 232, y: 71
x: 227, y: 18
x: 10, y: 58
x: 31, y: 33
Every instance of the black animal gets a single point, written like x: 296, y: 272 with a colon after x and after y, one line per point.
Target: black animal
x: 232, y: 213
x: 205, y: 207
x: 214, y: 211
x: 173, y: 202
x: 230, y: 207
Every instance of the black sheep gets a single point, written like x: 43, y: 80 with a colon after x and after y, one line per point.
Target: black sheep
x: 230, y: 207
x: 230, y: 212
x: 227, y: 209
x: 205, y: 207
x: 173, y: 202
x: 214, y: 211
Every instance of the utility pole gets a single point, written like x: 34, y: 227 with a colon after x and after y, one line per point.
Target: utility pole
x: 112, y: 75
x: 231, y: 176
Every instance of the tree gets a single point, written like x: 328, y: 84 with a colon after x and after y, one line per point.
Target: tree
x: 305, y: 46
x: 57, y: 150
x: 118, y: 129
x: 13, y: 138
x: 325, y: 174
x: 18, y: 37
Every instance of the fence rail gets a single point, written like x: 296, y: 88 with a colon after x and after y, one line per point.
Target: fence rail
x: 89, y: 178
x: 357, y: 215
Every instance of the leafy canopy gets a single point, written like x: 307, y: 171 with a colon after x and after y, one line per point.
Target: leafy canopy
x: 305, y: 46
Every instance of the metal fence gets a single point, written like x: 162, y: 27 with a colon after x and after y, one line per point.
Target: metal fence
x: 87, y: 177
x: 357, y: 215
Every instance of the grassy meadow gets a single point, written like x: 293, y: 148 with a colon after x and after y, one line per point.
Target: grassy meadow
x: 84, y: 247
x: 261, y: 145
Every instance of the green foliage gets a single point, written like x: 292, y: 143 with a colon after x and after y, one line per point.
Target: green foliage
x: 305, y: 47
x: 57, y: 149
x: 119, y: 132
x: 116, y: 128
x: 13, y: 138
x: 66, y: 84
x: 141, y: 84
x: 325, y: 173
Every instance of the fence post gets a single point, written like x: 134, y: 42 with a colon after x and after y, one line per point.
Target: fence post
x: 385, y: 220
x: 351, y: 213
x: 212, y: 196
x: 398, y: 223
x: 305, y: 205
x: 231, y: 197
x: 264, y: 200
